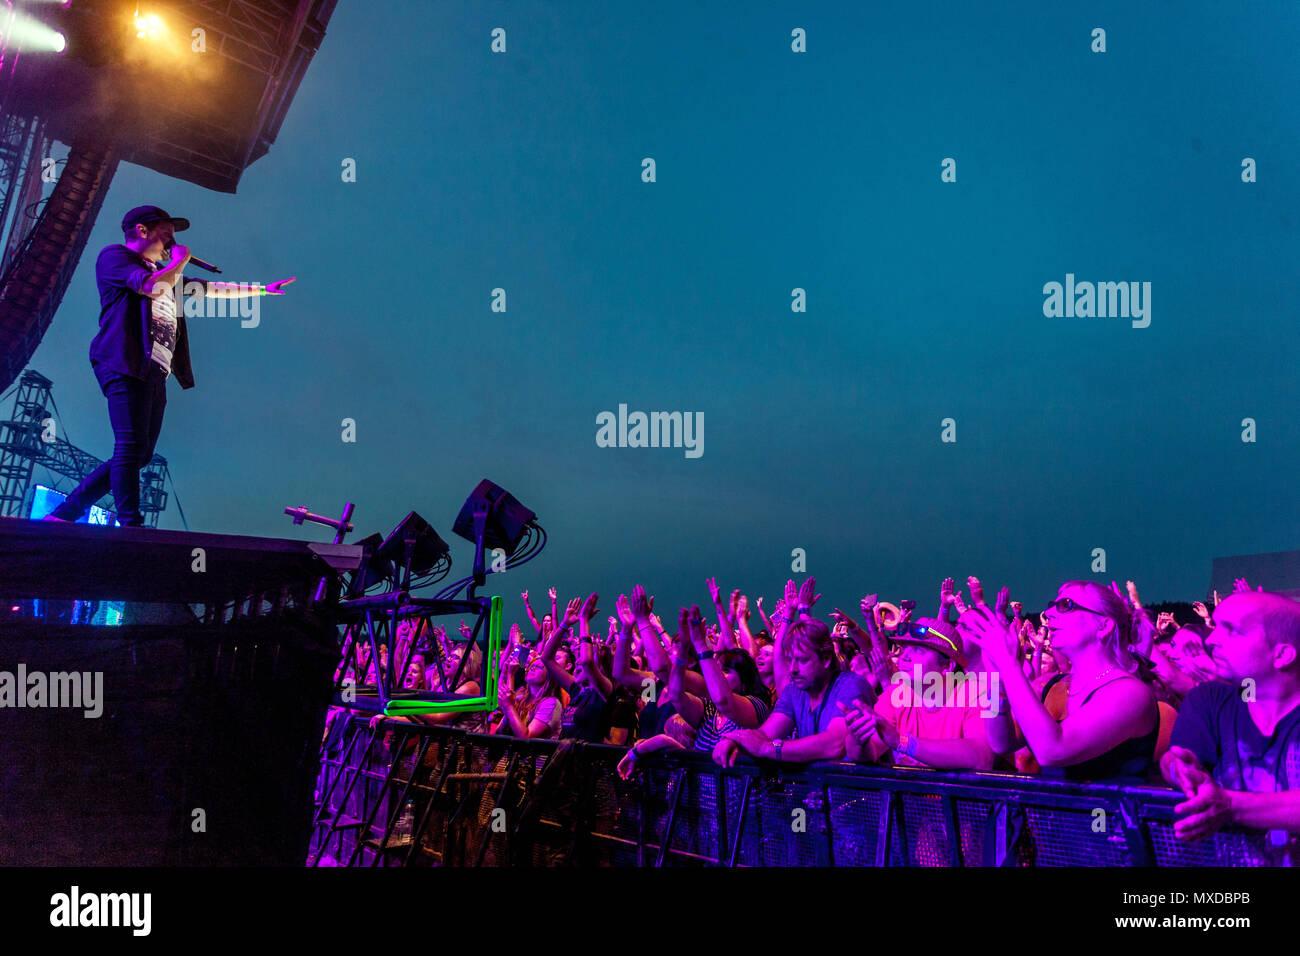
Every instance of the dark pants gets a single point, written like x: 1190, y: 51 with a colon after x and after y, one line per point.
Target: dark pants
x: 135, y: 408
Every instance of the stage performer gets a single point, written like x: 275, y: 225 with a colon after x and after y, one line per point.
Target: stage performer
x: 142, y: 341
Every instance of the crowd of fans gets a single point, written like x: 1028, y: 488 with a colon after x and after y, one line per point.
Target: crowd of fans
x: 1095, y: 687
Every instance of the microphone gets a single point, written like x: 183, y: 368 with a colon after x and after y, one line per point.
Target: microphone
x: 202, y: 264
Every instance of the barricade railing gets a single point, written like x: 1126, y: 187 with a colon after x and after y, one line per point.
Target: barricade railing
x: 402, y: 794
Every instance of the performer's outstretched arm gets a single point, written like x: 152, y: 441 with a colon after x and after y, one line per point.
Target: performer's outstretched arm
x: 235, y: 290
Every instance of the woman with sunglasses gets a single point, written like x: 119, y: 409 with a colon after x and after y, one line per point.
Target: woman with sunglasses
x: 1099, y: 721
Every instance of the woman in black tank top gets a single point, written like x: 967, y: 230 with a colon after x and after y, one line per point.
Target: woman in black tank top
x: 1110, y: 722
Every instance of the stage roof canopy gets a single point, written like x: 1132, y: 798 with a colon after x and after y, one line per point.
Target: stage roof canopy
x: 198, y: 94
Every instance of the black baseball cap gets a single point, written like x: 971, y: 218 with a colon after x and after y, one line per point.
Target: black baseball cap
x: 148, y: 215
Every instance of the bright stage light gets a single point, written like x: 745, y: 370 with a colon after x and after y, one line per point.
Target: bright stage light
x: 33, y: 36
x: 148, y: 26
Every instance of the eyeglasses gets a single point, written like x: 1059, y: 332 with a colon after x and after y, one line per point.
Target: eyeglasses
x: 922, y: 630
x: 1066, y: 605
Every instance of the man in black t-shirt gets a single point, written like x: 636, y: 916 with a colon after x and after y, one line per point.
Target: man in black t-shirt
x: 1235, y: 747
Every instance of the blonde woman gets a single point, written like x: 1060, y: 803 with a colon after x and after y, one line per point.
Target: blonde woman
x: 1098, y: 721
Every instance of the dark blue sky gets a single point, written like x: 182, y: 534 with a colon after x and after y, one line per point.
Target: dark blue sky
x: 775, y: 170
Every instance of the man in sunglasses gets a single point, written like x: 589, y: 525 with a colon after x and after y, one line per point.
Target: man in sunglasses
x: 1235, y: 749
x: 913, y: 723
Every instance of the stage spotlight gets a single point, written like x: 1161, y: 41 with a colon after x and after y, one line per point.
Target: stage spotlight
x: 33, y: 36
x: 507, y: 519
x: 148, y: 26
x: 427, y: 548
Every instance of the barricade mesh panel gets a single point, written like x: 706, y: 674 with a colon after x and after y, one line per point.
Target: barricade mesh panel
x: 927, y: 843
x: 972, y: 820
x: 855, y: 825
x: 695, y: 830
x: 1066, y: 838
x: 587, y: 815
x: 787, y: 819
x: 1226, y: 849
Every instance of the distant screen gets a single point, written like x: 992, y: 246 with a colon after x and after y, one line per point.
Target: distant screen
x: 105, y: 613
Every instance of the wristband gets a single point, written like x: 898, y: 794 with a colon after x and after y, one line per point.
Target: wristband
x: 705, y: 655
x: 776, y: 748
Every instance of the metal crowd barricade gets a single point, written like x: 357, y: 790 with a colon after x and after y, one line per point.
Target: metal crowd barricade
x: 402, y: 794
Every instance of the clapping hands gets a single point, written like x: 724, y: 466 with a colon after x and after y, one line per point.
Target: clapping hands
x: 995, y: 635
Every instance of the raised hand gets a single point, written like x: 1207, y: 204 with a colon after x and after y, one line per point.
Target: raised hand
x: 996, y: 636
x: 613, y: 628
x: 686, y: 652
x: 1004, y: 598
x: 731, y: 605
x: 946, y: 597
x: 791, y: 597
x: 715, y: 594
x: 1133, y: 594
x: 699, y: 634
x: 1165, y: 622
x: 845, y: 622
x: 808, y: 595
x: 589, y: 609
x: 465, y: 630
x: 742, y: 608
x: 1203, y: 612
x: 868, y: 605
x: 524, y: 595
x: 572, y: 612
x: 550, y: 592
x: 640, y: 606
x: 624, y: 609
